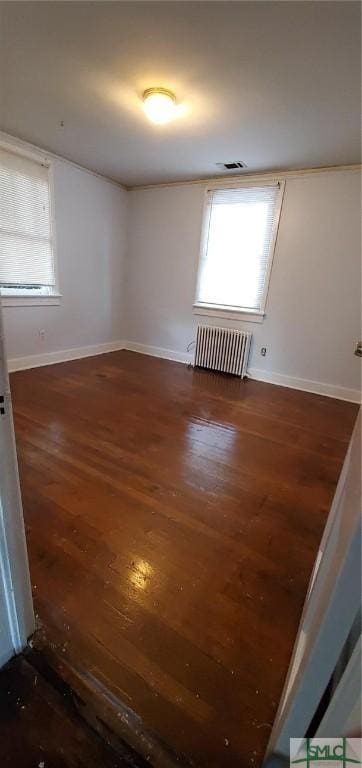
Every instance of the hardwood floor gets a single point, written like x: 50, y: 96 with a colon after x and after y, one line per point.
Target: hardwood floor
x: 41, y: 728
x: 173, y: 517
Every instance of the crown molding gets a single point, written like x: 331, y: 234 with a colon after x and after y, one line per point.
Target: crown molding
x: 9, y: 141
x: 256, y: 176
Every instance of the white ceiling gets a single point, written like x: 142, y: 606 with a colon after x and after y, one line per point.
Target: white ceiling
x: 275, y: 84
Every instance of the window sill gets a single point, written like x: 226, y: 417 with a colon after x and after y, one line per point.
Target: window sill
x: 228, y: 313
x: 30, y: 301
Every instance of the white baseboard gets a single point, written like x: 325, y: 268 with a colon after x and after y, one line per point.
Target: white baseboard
x: 165, y: 354
x: 315, y: 387
x: 49, y: 358
x: 282, y: 380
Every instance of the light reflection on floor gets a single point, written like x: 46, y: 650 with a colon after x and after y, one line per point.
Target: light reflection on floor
x: 140, y: 573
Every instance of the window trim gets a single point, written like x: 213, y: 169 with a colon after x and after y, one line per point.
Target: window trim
x: 232, y: 312
x: 20, y: 300
x: 31, y: 301
x: 229, y: 313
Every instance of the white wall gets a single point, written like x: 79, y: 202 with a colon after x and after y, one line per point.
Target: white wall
x: 90, y: 218
x: 142, y: 290
x: 313, y: 313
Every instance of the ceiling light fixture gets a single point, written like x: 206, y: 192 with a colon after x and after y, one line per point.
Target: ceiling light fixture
x: 159, y: 105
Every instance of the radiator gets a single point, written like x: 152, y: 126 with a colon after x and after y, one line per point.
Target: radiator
x: 222, y: 349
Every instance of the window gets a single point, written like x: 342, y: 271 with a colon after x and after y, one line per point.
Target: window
x: 237, y: 249
x: 26, y: 244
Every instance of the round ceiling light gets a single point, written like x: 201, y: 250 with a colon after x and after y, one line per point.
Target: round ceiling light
x: 159, y: 105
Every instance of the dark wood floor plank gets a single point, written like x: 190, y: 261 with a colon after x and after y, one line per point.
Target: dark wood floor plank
x: 173, y: 518
x: 39, y: 728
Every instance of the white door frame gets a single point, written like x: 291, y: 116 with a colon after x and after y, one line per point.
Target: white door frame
x: 343, y: 715
x: 330, y: 609
x: 15, y: 587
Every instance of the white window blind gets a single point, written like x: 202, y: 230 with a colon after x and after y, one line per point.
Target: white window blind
x: 26, y: 248
x: 237, y: 249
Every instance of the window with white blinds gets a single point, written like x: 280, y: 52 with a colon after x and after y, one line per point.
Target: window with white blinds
x: 238, y: 241
x: 26, y: 246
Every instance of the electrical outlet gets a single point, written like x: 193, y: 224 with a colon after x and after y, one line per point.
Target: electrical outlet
x: 263, y: 351
x: 42, y: 335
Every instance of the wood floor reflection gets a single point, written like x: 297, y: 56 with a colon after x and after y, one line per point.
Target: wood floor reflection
x: 173, y: 517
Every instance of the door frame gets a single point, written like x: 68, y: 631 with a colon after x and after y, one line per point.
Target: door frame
x: 332, y: 603
x: 343, y: 715
x: 14, y: 565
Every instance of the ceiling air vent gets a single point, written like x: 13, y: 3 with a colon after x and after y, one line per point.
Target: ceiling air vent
x: 235, y: 165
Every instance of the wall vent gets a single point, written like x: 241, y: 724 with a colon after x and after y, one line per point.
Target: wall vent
x: 234, y: 165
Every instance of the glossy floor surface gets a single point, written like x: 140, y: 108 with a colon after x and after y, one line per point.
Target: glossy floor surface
x: 173, y: 517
